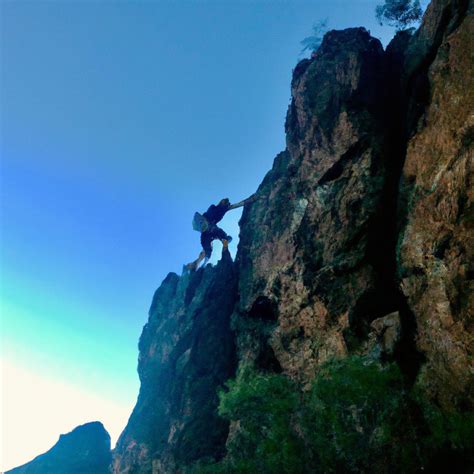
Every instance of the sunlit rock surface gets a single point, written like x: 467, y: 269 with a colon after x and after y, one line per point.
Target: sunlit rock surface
x: 436, y: 242
x: 313, y: 258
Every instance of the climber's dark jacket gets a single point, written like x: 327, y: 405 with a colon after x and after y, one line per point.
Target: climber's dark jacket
x: 215, y: 213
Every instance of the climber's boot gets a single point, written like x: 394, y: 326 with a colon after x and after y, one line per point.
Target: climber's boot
x: 225, y: 243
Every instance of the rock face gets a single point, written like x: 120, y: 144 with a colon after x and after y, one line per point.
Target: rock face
x: 436, y: 242
x: 86, y: 449
x: 360, y: 243
x: 187, y: 352
x: 312, y: 249
x: 317, y: 256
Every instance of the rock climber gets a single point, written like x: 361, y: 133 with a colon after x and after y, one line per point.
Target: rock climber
x: 207, y: 225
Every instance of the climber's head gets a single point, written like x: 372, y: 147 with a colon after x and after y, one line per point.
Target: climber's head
x: 224, y: 202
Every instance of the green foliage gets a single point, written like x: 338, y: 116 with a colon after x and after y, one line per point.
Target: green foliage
x: 313, y: 42
x: 357, y: 417
x: 448, y: 436
x: 399, y: 13
x: 453, y: 428
x: 352, y: 413
x: 264, y: 440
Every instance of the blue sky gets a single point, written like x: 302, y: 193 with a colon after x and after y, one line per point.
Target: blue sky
x: 118, y: 121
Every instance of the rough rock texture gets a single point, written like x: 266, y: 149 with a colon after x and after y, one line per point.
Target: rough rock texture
x: 312, y: 255
x: 186, y: 353
x: 317, y: 257
x: 86, y: 449
x: 436, y: 252
x: 384, y: 335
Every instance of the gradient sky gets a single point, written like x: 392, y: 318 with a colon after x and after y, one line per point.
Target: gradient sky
x: 118, y: 121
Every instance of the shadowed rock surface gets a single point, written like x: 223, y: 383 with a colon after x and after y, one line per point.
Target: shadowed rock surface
x: 186, y: 353
x: 86, y: 449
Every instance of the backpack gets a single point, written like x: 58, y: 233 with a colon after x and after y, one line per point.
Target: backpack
x: 200, y: 222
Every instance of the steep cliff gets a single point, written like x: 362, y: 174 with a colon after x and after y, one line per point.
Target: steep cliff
x: 317, y: 255
x: 436, y: 241
x: 85, y: 449
x: 313, y: 256
x: 187, y: 352
x: 350, y: 300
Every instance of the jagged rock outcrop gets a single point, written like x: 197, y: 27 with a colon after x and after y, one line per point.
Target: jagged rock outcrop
x: 86, y: 449
x: 187, y: 352
x: 313, y: 253
x: 436, y: 242
x: 317, y: 257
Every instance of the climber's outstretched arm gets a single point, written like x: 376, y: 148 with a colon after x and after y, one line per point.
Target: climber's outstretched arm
x: 252, y: 198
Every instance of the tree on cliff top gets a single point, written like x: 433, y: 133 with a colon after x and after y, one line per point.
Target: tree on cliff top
x: 313, y: 42
x: 399, y: 13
